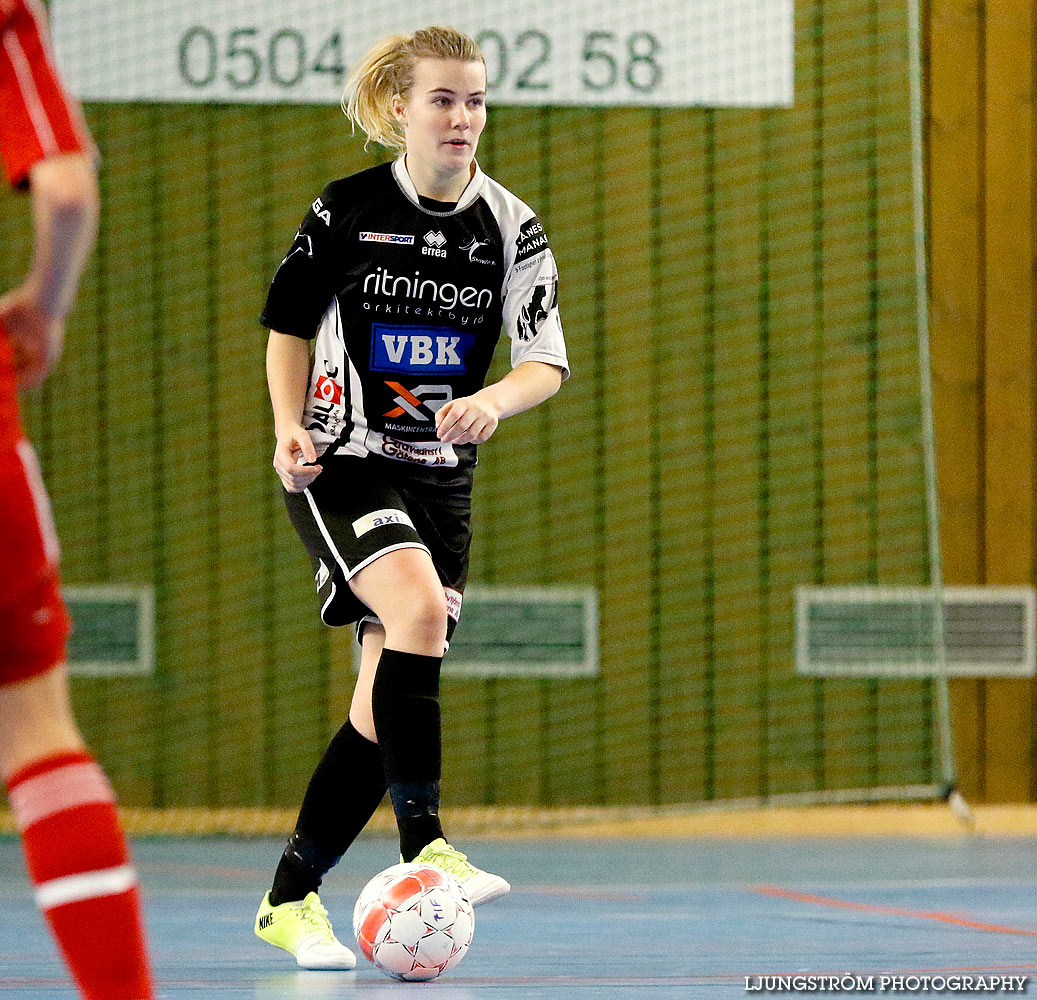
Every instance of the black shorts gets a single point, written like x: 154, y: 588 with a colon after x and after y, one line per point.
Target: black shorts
x: 358, y: 509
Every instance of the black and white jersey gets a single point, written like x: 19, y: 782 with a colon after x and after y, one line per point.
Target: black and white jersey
x: 407, y: 304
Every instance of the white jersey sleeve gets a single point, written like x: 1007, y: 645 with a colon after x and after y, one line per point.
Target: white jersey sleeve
x: 530, y: 293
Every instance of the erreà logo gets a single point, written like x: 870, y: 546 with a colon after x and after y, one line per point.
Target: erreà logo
x: 434, y: 243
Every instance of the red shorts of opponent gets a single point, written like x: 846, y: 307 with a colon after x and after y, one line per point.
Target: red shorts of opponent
x: 34, y: 623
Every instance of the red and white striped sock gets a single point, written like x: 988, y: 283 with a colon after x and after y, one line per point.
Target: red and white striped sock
x: 85, y: 885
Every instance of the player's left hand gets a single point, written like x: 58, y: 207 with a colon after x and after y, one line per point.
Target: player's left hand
x: 36, y: 336
x: 468, y: 420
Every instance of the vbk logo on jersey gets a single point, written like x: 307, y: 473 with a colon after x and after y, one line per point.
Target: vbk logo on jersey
x: 328, y: 389
x: 419, y: 350
x: 434, y: 243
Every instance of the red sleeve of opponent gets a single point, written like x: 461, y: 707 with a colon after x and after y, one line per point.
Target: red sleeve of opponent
x: 37, y: 117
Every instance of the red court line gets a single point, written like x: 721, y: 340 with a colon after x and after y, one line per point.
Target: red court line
x: 894, y: 911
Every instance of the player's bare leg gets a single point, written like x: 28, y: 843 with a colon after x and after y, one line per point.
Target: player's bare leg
x: 360, y: 714
x: 36, y: 721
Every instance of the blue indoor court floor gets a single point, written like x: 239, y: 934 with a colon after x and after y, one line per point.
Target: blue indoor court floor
x: 618, y: 919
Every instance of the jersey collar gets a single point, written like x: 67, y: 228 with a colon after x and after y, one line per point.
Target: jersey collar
x: 406, y: 185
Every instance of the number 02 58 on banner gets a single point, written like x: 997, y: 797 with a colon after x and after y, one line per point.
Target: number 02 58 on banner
x: 717, y: 53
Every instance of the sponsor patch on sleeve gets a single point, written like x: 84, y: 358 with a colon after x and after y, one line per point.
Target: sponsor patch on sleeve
x: 531, y: 239
x: 380, y: 519
x: 543, y: 297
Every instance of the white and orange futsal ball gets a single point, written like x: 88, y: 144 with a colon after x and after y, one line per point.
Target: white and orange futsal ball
x: 413, y: 921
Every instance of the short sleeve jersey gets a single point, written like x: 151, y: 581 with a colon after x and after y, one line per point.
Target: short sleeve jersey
x: 37, y: 120
x: 407, y: 303
x: 37, y: 117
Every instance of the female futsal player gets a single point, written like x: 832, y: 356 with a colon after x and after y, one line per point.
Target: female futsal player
x: 404, y: 275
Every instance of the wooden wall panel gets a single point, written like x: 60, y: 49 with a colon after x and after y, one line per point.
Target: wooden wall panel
x: 1008, y: 357
x: 981, y: 151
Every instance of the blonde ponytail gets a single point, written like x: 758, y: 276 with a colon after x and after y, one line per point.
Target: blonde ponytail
x: 387, y: 69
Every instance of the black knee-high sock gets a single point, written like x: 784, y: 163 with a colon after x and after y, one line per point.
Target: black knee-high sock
x: 342, y: 795
x: 405, y: 703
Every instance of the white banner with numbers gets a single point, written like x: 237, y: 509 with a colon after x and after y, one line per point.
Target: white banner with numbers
x: 715, y: 53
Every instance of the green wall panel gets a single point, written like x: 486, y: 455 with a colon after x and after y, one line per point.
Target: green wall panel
x: 744, y: 416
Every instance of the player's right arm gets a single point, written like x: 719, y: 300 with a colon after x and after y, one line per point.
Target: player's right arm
x: 288, y: 378
x: 297, y: 298
x: 65, y: 205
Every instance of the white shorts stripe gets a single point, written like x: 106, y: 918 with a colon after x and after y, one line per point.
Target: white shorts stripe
x: 327, y: 603
x: 381, y: 552
x: 326, y: 534
x: 89, y: 885
x: 44, y: 513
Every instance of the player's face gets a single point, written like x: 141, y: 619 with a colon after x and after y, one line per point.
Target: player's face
x: 444, y: 115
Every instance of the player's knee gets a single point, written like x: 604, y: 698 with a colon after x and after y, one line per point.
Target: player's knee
x: 421, y: 615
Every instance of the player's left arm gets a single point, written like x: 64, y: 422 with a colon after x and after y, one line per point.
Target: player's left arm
x: 532, y: 322
x: 473, y: 419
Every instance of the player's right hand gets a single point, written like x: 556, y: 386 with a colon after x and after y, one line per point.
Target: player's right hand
x: 295, y: 458
x: 36, y: 336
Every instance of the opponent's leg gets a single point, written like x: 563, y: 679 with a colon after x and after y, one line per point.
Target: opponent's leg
x: 74, y: 848
x: 62, y: 803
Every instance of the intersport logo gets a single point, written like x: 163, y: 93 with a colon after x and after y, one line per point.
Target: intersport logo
x: 387, y: 238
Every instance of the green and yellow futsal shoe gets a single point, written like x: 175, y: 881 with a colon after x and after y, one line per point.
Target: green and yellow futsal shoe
x: 479, y: 886
x: 303, y: 929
